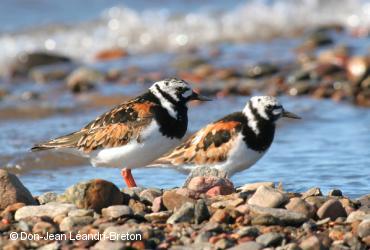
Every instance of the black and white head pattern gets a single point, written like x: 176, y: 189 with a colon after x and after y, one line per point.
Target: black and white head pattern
x: 172, y: 92
x: 266, y: 108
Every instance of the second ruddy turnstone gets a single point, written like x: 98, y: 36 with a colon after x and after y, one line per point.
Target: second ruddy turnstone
x: 134, y: 133
x: 233, y: 143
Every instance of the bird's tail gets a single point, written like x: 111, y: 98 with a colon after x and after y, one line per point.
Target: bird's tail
x: 66, y: 141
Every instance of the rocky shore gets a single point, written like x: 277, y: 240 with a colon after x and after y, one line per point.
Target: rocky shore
x: 208, y: 212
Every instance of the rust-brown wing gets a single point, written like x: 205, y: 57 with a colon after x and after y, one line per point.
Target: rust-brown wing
x: 114, y: 128
x: 208, y: 146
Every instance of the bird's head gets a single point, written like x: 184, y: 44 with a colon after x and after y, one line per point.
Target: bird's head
x: 267, y: 108
x: 175, y: 91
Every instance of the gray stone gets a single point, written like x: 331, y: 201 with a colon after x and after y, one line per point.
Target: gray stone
x: 150, y: 194
x: 51, y: 210
x: 281, y: 216
x: 70, y: 224
x: 250, y: 245
x: 12, y: 191
x: 248, y: 231
x: 81, y: 212
x: 111, y: 245
x: 270, y: 239
x: 364, y: 228
x: 158, y: 216
x: 315, y: 191
x: 301, y: 206
x: 331, y: 209
x: 117, y: 211
x: 251, y: 187
x: 267, y: 197
x: 184, y: 214
x: 133, y: 192
x: 47, y: 197
x: 201, y: 212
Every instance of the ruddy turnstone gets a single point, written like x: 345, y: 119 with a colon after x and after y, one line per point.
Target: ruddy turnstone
x: 233, y: 143
x: 134, y: 133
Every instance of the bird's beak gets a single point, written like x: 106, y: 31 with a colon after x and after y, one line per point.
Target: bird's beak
x: 196, y: 96
x: 290, y: 115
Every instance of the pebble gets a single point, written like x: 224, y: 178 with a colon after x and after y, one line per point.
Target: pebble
x: 184, y: 214
x: 331, y: 209
x: 252, y: 187
x: 220, y: 216
x: 70, y: 224
x: 270, y: 239
x: 83, y: 79
x: 335, y: 192
x: 357, y: 216
x: 51, y: 210
x: 117, y: 211
x: 201, y: 212
x: 12, y: 191
x: 251, y: 245
x: 150, y: 194
x: 248, y: 231
x: 158, y: 204
x: 364, y: 228
x: 267, y: 197
x: 159, y: 217
x: 315, y: 191
x: 47, y: 197
x: 311, y: 243
x: 95, y: 194
x: 172, y: 200
x: 301, y: 206
x: 281, y: 216
x: 106, y: 244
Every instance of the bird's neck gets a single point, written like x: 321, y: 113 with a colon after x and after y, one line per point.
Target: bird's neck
x: 258, y: 131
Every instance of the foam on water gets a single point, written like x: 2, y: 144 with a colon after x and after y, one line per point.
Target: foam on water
x: 161, y: 28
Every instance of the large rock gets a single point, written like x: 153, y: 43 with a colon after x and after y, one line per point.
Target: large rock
x: 95, y: 194
x: 331, y: 209
x: 26, y: 61
x: 211, y: 185
x: 267, y: 197
x: 12, y: 191
x: 278, y: 215
x: 51, y: 210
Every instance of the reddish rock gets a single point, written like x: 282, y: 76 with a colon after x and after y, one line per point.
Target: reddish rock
x: 158, y: 204
x: 172, y: 200
x: 220, y: 216
x: 111, y: 54
x: 331, y: 209
x: 95, y: 194
x: 301, y: 206
x: 12, y: 191
x: 211, y: 185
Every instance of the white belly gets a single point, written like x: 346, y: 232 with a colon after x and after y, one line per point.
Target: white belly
x: 239, y: 159
x: 135, y: 155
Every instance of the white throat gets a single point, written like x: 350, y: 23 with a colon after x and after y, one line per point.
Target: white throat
x: 252, y: 122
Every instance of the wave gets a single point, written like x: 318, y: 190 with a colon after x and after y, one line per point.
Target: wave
x: 163, y: 30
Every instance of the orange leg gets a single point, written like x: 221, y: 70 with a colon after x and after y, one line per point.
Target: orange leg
x: 128, y: 178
